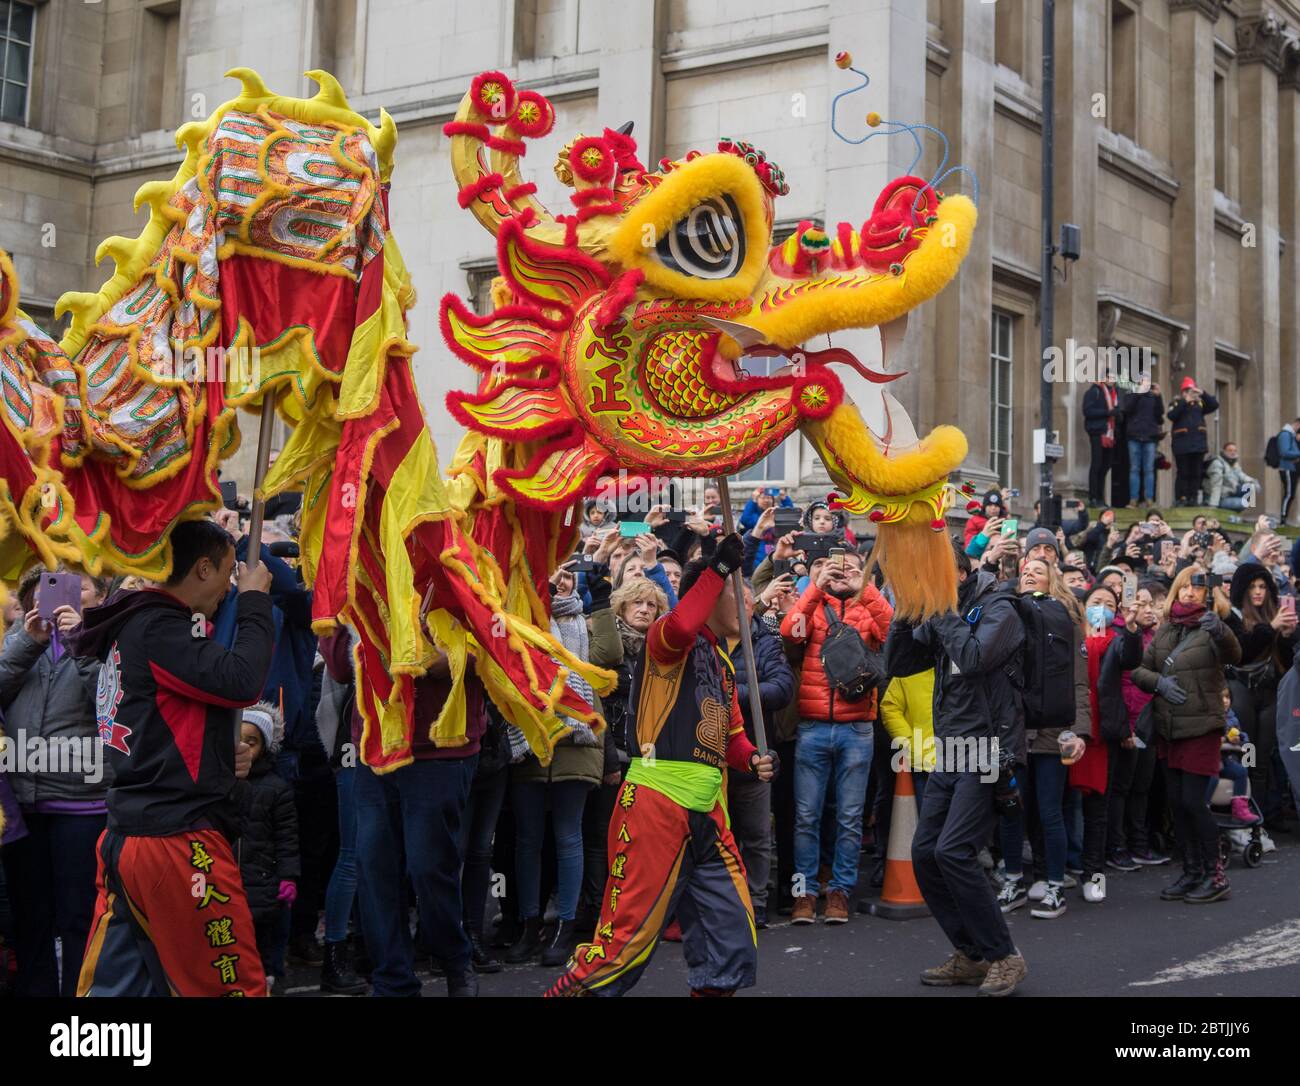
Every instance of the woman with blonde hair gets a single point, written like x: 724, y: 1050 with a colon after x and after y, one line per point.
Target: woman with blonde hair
x: 1043, y: 787
x: 1183, y: 666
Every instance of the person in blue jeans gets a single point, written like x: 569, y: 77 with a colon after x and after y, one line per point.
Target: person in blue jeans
x: 1144, y: 418
x: 409, y: 824
x: 835, y: 738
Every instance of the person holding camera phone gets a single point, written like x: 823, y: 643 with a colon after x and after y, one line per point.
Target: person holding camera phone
x: 1183, y: 666
x: 836, y: 734
x: 48, y: 697
x: 1189, y: 440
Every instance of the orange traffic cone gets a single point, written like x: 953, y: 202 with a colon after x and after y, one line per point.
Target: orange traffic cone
x: 901, y: 899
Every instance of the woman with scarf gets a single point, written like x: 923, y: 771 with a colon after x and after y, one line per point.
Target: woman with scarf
x: 577, y: 766
x: 1128, y: 845
x: 1183, y: 667
x: 1113, y: 645
x: 1266, y: 634
x: 1044, y: 777
x: 1100, y: 408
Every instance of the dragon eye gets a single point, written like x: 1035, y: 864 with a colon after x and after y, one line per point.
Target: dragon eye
x: 709, y: 243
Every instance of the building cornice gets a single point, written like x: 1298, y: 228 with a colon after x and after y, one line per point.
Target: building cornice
x: 1265, y: 37
x: 1211, y: 9
x: 1117, y: 155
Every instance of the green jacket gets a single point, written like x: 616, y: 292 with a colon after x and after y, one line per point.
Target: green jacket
x: 570, y: 762
x: 1199, y: 671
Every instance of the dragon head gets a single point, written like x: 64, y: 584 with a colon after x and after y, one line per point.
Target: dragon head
x: 619, y: 338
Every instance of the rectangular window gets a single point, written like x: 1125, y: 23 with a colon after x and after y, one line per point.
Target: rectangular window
x: 771, y: 469
x: 1001, y: 359
x: 1221, y: 132
x: 161, y: 104
x: 1009, y: 36
x: 16, y: 21
x: 1121, y: 109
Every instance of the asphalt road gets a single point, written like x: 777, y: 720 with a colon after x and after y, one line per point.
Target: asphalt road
x: 1133, y: 944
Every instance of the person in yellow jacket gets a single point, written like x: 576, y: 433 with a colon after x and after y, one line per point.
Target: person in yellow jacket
x: 905, y: 714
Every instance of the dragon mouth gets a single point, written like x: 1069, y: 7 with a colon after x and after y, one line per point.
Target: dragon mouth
x: 886, y: 419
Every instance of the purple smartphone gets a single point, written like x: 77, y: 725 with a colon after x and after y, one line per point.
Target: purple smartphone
x: 56, y: 589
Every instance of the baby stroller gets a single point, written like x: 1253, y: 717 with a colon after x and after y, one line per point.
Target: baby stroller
x: 1235, y: 834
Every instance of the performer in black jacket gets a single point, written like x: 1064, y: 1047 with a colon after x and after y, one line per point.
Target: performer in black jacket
x: 171, y: 915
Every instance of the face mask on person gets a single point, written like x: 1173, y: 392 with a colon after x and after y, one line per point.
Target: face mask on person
x: 1099, y: 616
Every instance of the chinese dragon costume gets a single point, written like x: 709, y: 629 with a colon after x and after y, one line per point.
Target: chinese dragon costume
x: 268, y: 278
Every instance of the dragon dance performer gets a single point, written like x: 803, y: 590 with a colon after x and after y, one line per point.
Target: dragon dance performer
x: 171, y: 915
x: 671, y: 849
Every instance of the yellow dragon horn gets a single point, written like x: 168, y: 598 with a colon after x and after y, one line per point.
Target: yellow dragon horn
x: 253, y: 85
x: 331, y: 92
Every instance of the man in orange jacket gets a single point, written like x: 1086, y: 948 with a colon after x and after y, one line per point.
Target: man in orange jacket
x: 835, y: 733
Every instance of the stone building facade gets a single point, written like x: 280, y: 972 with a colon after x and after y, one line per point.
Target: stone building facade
x: 1178, y: 142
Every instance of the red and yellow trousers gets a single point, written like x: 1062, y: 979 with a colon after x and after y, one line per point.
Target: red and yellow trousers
x: 171, y: 918
x: 665, y: 860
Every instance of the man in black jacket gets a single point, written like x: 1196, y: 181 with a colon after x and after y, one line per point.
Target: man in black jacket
x: 1144, y: 418
x: 1100, y: 413
x: 975, y: 701
x: 171, y: 915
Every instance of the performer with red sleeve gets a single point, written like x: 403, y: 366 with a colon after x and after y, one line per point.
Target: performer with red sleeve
x: 671, y: 849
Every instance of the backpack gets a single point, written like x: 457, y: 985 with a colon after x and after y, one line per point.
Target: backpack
x: 851, y: 669
x: 1272, y: 453
x: 1046, y: 680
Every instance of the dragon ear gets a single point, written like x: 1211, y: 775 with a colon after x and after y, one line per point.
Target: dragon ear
x: 8, y: 289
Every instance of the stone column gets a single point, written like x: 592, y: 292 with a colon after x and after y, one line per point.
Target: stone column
x: 631, y: 77
x: 1262, y: 47
x: 1289, y: 226
x: 1191, y: 30
x: 1080, y: 71
x: 957, y: 381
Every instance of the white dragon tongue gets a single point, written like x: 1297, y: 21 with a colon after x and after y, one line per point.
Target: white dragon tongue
x: 886, y: 419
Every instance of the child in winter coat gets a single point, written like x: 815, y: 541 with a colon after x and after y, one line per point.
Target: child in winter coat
x: 268, y: 838
x: 1231, y: 767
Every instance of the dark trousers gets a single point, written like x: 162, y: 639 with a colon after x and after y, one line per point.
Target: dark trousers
x: 485, y: 799
x: 1125, y: 799
x: 1189, y: 467
x: 783, y: 817
x: 956, y: 818
x: 1098, y: 469
x: 1137, y: 835
x: 1257, y: 713
x: 595, y: 846
x: 316, y: 801
x: 273, y: 940
x: 51, y: 878
x: 1288, y: 492
x: 1194, y: 828
x: 408, y: 824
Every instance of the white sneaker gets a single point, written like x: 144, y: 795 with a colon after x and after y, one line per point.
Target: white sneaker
x: 1094, y: 890
x: 1070, y: 882
x: 1037, y: 891
x: 1267, y: 841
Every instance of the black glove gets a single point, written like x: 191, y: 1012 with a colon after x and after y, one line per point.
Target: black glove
x: 776, y: 763
x: 599, y: 588
x: 1212, y: 624
x: 1167, y: 687
x: 728, y: 556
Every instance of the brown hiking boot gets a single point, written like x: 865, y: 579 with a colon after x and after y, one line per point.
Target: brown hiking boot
x: 837, y: 907
x: 1004, y: 975
x: 805, y: 910
x: 958, y: 969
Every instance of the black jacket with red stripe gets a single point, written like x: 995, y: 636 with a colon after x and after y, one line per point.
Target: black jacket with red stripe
x: 165, y: 708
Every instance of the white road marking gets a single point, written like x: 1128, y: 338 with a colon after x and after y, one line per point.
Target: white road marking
x: 1267, y: 948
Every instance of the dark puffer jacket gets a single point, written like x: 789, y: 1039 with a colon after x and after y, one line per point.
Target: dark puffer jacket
x: 974, y: 652
x: 268, y: 841
x: 1199, y: 671
x: 1260, y: 645
x: 1189, y: 435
